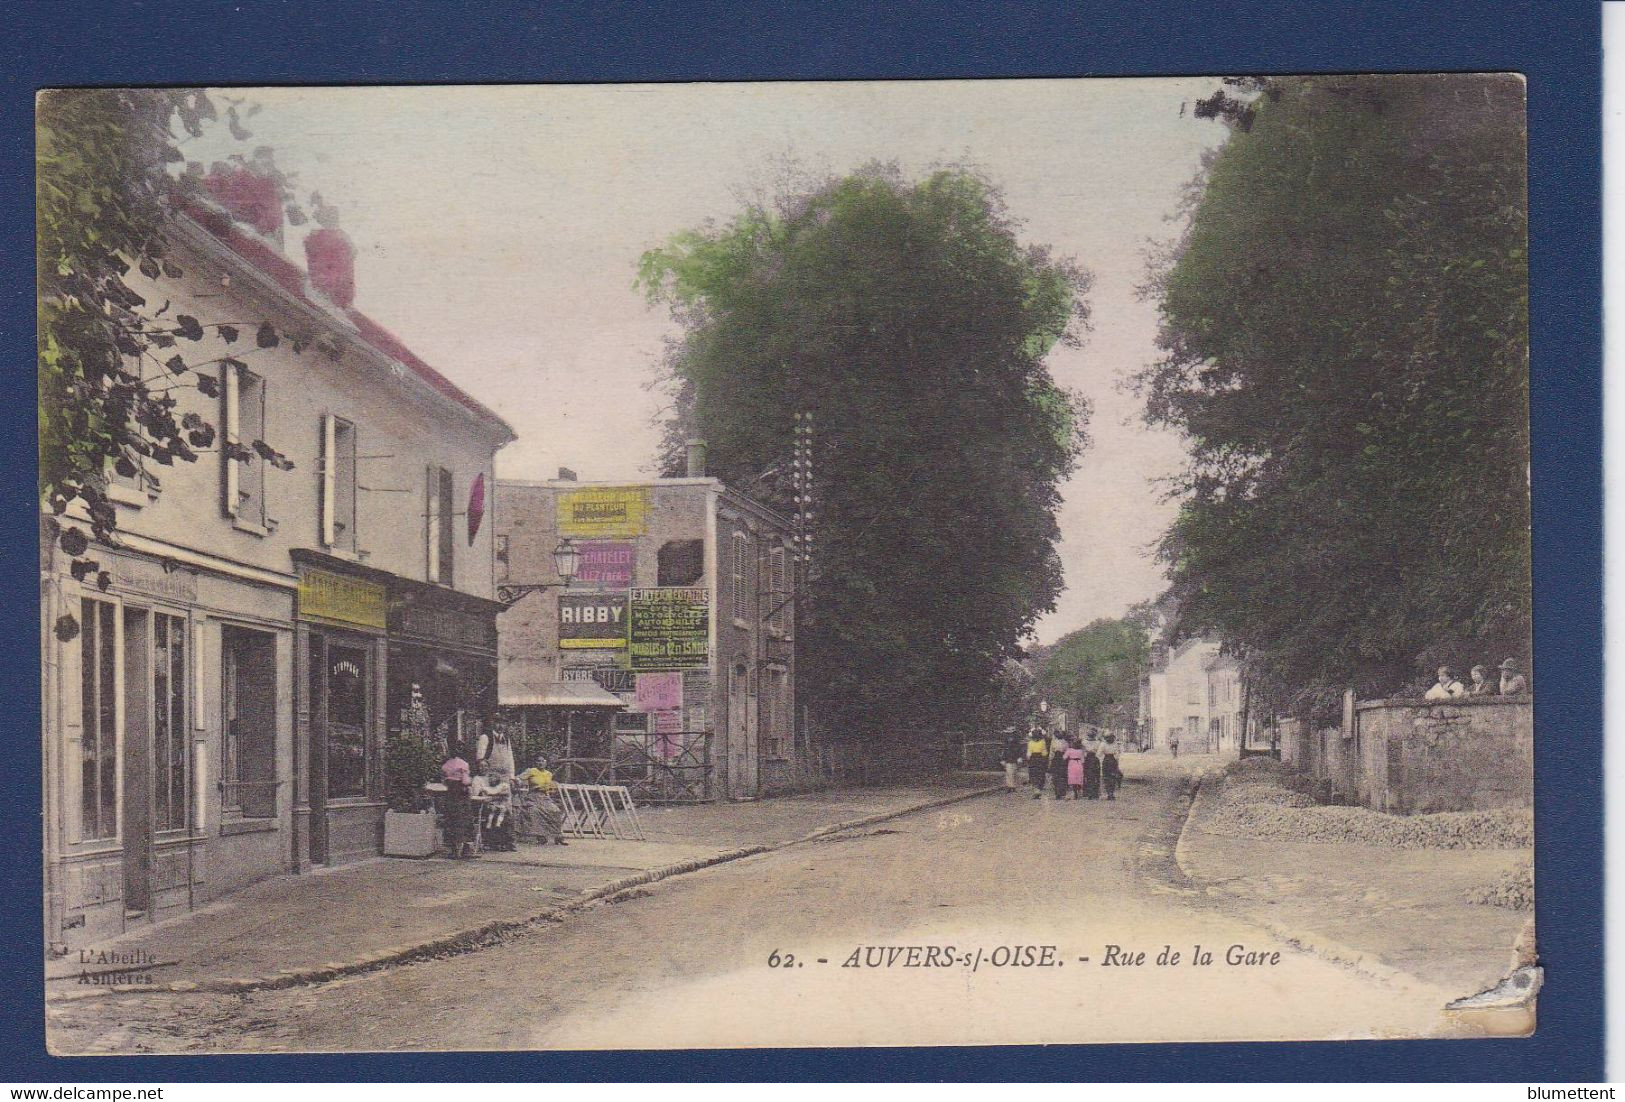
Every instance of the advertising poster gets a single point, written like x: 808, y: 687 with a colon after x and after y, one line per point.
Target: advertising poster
x: 606, y: 563
x: 669, y: 629
x: 660, y: 692
x: 592, y: 620
x: 603, y: 512
x: 668, y: 734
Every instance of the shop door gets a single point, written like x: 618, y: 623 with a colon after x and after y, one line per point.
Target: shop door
x: 742, y: 778
x: 338, y: 728
x: 137, y: 825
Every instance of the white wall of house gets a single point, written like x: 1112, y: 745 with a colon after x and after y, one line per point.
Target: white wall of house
x: 193, y: 578
x: 402, y: 428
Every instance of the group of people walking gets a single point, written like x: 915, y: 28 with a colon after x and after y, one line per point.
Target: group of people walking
x: 1072, y: 768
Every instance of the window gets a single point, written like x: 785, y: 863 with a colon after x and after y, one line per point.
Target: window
x: 245, y: 424
x: 98, y: 762
x: 631, y: 723
x: 500, y: 552
x: 741, y: 546
x: 680, y: 562
x: 248, y: 702
x: 338, y: 483
x: 441, y: 512
x: 170, y: 749
x: 346, y: 721
x: 134, y: 488
x: 779, y: 590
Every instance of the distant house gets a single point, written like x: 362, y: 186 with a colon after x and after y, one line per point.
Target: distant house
x: 679, y: 623
x: 220, y: 715
x: 1192, y: 692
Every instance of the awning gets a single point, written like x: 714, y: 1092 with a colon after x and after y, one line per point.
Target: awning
x: 562, y: 694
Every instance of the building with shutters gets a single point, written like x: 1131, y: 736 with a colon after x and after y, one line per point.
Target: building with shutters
x: 1193, y: 692
x: 681, y: 611
x: 218, y: 713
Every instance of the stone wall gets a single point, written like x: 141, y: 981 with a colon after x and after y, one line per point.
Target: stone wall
x: 1470, y: 754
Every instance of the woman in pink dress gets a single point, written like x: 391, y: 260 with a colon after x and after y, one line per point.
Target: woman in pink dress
x: 1074, y: 768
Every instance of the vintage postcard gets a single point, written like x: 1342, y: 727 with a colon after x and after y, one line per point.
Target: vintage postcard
x: 785, y: 564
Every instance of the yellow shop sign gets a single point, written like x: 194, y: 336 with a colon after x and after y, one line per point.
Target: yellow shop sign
x: 324, y: 596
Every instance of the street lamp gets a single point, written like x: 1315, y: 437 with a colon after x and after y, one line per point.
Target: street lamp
x: 566, y: 560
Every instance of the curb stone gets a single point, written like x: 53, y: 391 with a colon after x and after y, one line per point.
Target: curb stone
x: 1158, y: 858
x: 490, y: 933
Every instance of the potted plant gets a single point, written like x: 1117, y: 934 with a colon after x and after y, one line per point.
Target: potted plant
x: 409, y: 822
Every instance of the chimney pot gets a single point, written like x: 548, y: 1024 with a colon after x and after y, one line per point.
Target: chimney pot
x: 330, y: 258
x: 696, y: 459
x: 247, y: 196
x: 566, y: 475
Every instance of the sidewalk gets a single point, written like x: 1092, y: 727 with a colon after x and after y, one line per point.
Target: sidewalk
x: 330, y: 922
x: 1373, y: 907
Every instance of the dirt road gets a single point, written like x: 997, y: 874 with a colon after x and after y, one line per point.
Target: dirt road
x: 1000, y: 920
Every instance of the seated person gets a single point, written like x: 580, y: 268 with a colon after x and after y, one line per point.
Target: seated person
x: 538, y: 815
x: 496, y: 817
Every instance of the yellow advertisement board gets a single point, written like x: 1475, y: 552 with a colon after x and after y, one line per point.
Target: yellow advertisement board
x: 604, y: 512
x: 324, y: 596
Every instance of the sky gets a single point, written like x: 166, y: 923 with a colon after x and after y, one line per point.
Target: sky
x: 498, y: 231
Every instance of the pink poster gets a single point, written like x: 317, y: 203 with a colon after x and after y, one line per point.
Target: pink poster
x: 668, y: 734
x: 606, y: 563
x: 660, y: 692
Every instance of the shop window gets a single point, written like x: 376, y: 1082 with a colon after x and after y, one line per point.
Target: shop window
x: 170, y: 745
x: 441, y: 512
x: 338, y: 483
x: 244, y: 399
x: 248, y: 701
x: 98, y: 762
x: 680, y: 562
x: 346, y: 721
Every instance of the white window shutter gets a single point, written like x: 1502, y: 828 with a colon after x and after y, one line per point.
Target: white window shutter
x: 232, y: 427
x: 329, y: 477
x: 431, y: 513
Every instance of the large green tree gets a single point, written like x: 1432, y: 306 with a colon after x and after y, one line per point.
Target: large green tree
x: 1344, y: 339
x: 912, y: 324
x: 1094, y: 672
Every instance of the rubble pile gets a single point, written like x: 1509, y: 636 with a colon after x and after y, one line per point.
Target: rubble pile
x: 1259, y: 803
x: 1515, y: 890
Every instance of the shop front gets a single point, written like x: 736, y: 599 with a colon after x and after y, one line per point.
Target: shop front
x: 443, y: 644
x: 341, y: 624
x: 153, y: 733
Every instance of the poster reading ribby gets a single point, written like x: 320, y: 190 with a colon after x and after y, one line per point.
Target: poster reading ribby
x: 1018, y: 562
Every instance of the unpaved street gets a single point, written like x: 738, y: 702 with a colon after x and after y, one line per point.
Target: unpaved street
x: 688, y: 961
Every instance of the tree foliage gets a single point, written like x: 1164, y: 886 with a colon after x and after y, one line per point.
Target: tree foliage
x: 912, y: 325
x: 110, y: 360
x: 1094, y: 672
x: 1344, y: 344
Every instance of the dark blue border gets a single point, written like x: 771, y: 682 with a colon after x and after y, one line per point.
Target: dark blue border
x: 1557, y: 45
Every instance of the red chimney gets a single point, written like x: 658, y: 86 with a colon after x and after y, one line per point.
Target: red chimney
x: 247, y: 196
x: 331, y: 260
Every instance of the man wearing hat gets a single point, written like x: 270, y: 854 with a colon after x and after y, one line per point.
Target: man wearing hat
x: 1512, y: 682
